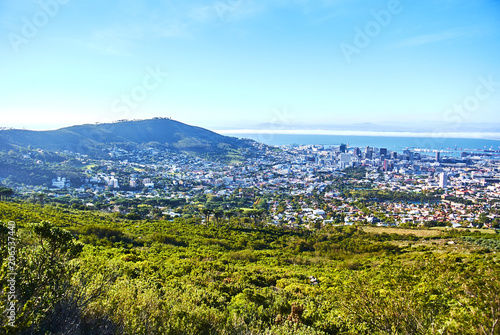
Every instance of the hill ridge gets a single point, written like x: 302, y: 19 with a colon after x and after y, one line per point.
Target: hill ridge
x: 90, y: 138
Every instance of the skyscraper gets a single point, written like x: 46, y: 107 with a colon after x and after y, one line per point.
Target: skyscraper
x: 368, y: 153
x: 343, y: 148
x: 443, y: 180
x: 357, y: 152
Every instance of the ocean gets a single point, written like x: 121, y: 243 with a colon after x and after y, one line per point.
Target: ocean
x: 450, y: 146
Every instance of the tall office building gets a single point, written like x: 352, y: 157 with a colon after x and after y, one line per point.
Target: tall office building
x: 443, y: 180
x: 345, y: 160
x: 368, y: 153
x: 357, y: 152
x: 438, y: 156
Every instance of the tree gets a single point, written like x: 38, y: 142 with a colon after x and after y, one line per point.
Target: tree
x: 40, y: 198
x: 484, y: 219
x: 6, y: 193
x: 496, y: 223
x: 206, y: 212
x: 218, y: 214
x: 43, y: 273
x: 229, y: 214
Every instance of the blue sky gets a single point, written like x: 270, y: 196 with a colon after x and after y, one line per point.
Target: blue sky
x: 236, y: 63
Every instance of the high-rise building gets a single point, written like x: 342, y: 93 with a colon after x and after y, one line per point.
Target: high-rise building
x: 408, y: 154
x: 357, y: 152
x: 443, y: 180
x: 345, y: 160
x: 383, y: 152
x: 368, y: 153
x: 343, y: 147
x: 438, y: 156
x: 394, y: 155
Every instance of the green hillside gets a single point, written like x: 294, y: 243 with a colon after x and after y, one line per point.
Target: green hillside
x: 36, y: 157
x: 182, y: 277
x: 90, y: 139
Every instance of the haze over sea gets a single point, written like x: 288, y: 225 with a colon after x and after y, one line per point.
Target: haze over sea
x: 398, y: 144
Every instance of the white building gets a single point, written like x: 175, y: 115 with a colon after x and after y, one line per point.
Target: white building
x: 133, y: 183
x: 443, y: 180
x: 318, y: 212
x: 114, y: 183
x: 59, y: 182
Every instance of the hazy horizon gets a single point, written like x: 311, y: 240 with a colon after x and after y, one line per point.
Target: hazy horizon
x: 361, y: 129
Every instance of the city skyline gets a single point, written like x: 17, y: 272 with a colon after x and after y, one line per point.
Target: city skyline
x: 234, y: 63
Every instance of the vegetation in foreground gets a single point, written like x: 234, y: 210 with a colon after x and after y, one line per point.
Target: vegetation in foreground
x: 85, y: 272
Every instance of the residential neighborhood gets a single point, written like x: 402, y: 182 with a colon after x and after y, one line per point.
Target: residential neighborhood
x: 295, y: 186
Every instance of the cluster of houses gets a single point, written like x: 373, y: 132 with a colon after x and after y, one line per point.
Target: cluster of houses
x: 307, y: 172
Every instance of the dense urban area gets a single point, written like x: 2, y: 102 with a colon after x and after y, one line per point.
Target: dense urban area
x: 291, y: 186
x: 299, y: 239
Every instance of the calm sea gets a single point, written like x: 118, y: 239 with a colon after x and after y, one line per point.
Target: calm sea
x: 452, y: 146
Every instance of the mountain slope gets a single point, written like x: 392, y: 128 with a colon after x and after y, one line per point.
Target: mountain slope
x: 90, y: 139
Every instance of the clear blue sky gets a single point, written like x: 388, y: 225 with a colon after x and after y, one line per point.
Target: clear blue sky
x: 233, y: 63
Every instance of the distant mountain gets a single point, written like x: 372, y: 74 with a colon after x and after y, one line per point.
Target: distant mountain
x: 93, y: 138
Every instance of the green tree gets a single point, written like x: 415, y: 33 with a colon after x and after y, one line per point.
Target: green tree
x: 43, y: 273
x: 6, y: 193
